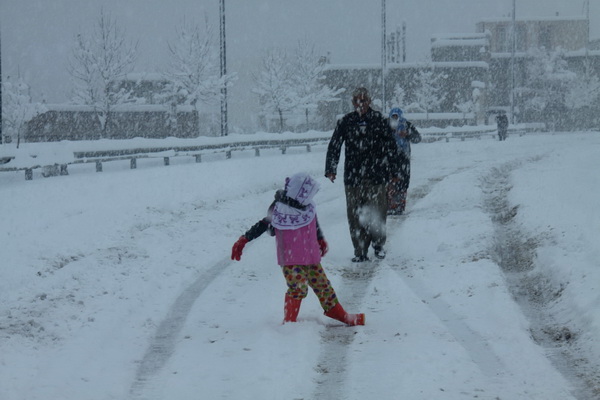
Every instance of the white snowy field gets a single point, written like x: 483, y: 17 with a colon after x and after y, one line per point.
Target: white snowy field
x: 118, y: 285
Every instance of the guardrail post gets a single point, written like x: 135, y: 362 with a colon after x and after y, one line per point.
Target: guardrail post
x: 98, y: 166
x: 28, y: 174
x: 198, y: 158
x: 308, y: 148
x: 228, y: 154
x: 283, y: 149
x: 257, y: 152
x: 133, y: 163
x: 166, y: 159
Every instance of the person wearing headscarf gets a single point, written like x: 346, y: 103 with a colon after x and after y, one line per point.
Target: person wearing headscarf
x: 405, y: 133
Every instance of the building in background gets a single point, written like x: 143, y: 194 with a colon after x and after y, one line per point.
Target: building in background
x: 473, y: 73
x: 476, y: 68
x: 569, y: 34
x: 153, y: 111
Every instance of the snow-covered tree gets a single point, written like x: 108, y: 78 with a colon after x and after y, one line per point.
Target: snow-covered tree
x: 427, y: 94
x: 17, y: 108
x: 472, y: 104
x: 584, y: 91
x: 548, y: 81
x: 99, y: 60
x: 583, y: 98
x: 398, y: 97
x: 307, y: 79
x: 193, y: 70
x: 465, y: 106
x: 274, y: 84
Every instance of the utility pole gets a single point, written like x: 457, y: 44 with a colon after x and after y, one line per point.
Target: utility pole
x: 587, y: 39
x: 383, y: 57
x: 512, y: 63
x: 224, y: 130
x: 395, y: 46
x: 0, y: 89
x: 403, y: 41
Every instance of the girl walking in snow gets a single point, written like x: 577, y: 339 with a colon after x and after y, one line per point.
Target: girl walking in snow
x: 292, y: 219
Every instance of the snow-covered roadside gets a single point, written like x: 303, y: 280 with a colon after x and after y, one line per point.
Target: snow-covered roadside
x: 94, y: 263
x: 560, y: 214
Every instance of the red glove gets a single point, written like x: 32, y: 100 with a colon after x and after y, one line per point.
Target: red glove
x: 323, y: 246
x: 236, y: 250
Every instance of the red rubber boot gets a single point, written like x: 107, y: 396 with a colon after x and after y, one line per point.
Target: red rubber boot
x: 291, y: 308
x: 341, y: 315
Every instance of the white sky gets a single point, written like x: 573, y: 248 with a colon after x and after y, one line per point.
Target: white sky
x: 37, y: 35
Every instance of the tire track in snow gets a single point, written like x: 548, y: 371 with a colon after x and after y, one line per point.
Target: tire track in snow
x: 336, y: 341
x: 514, y: 252
x: 164, y: 342
x: 475, y: 345
x: 337, y: 338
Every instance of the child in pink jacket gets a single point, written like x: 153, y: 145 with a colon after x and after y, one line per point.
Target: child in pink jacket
x: 292, y: 219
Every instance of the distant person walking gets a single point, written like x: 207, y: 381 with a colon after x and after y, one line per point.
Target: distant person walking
x: 502, y: 122
x: 292, y: 219
x: 371, y: 162
x: 405, y: 133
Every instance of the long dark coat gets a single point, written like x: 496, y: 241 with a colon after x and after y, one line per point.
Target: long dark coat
x: 370, y: 150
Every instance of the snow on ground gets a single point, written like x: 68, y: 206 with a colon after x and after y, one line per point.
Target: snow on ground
x: 118, y: 285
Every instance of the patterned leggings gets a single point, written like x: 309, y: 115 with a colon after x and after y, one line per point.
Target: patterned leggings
x: 299, y: 277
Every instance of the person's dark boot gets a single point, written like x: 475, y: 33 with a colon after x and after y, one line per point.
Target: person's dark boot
x: 379, y: 253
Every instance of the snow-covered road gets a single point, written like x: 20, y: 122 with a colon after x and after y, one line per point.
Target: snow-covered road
x: 118, y: 285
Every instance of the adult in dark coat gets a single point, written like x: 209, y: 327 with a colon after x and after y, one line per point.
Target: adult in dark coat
x: 372, y: 160
x: 502, y: 121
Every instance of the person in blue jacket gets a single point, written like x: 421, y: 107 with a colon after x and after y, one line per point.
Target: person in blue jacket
x: 405, y: 133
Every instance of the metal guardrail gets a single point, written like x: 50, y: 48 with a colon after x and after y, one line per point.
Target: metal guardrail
x: 188, y: 149
x: 479, y: 133
x: 101, y: 156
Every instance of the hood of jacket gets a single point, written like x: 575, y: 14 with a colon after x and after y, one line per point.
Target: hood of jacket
x: 300, y: 188
x: 396, y: 111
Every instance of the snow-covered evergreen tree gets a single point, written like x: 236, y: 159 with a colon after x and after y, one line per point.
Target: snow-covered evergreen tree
x: 308, y: 77
x: 428, y: 93
x: 465, y: 106
x: 274, y: 85
x: 398, y: 97
x: 99, y: 60
x: 17, y: 108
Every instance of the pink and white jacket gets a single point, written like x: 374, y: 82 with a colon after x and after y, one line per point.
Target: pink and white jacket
x: 292, y: 219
